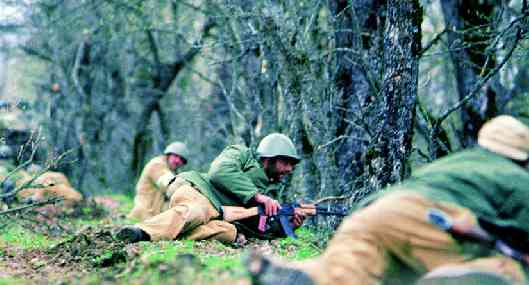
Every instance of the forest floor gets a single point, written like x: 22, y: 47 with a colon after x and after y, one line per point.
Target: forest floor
x: 51, y: 246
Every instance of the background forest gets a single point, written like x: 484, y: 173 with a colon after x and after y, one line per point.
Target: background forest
x: 367, y: 89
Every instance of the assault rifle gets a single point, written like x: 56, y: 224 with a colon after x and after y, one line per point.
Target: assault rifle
x: 507, y: 240
x: 233, y: 213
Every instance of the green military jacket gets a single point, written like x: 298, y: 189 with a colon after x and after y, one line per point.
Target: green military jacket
x: 490, y: 185
x: 234, y: 177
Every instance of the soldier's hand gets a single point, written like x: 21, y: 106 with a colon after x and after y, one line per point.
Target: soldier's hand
x: 271, y: 206
x: 298, y: 218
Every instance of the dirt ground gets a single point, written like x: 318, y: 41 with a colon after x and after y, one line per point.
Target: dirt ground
x: 73, y: 252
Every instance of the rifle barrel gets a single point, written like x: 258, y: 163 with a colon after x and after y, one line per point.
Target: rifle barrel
x: 331, y: 213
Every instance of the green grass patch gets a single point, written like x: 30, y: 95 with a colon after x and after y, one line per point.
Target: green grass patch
x: 189, y: 261
x: 303, y: 247
x: 12, y: 281
x: 126, y: 203
x: 22, y: 238
x: 231, y: 262
x: 165, y: 251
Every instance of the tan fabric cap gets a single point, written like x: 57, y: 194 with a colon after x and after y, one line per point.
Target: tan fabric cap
x: 507, y: 136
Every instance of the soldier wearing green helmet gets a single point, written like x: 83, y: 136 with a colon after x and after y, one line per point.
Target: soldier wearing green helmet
x: 238, y: 176
x: 154, y: 179
x: 178, y: 149
x: 277, y: 145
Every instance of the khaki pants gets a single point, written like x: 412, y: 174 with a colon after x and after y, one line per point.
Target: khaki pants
x: 52, y: 184
x: 396, y: 225
x: 148, y: 204
x: 189, y: 213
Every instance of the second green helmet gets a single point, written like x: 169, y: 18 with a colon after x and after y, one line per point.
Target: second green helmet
x: 178, y: 148
x: 277, y: 144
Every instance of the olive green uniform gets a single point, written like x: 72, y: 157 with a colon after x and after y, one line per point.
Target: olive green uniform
x: 234, y: 178
x: 465, y: 185
x: 490, y: 185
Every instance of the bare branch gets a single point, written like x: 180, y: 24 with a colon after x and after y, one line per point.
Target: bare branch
x: 482, y: 82
x: 26, y: 184
x: 29, y: 206
x: 432, y: 43
x: 175, y: 67
x: 34, y: 52
x: 34, y: 142
x: 154, y: 49
x: 76, y: 67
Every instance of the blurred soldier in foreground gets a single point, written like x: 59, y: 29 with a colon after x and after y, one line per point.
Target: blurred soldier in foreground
x: 486, y: 187
x: 151, y: 198
x: 237, y: 177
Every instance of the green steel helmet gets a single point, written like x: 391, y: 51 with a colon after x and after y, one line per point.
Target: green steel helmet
x: 277, y: 144
x: 178, y: 148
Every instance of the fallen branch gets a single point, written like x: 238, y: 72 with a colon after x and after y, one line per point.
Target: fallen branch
x: 29, y: 206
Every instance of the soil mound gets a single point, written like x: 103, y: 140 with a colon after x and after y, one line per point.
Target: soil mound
x: 90, y: 247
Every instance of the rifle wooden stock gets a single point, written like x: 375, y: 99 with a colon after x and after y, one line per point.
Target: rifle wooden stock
x: 234, y: 213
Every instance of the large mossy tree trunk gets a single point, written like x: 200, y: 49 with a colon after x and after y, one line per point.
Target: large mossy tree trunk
x: 359, y: 36
x: 402, y: 42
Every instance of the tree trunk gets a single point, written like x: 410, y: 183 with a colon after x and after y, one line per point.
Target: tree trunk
x: 467, y: 43
x: 402, y: 42
x: 142, y: 140
x: 358, y: 26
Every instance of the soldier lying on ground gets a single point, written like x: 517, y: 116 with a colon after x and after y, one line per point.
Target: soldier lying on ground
x: 489, y: 182
x: 49, y: 184
x: 152, y: 196
x: 237, y: 177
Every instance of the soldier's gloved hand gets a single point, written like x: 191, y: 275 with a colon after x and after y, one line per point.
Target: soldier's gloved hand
x: 271, y: 206
x: 298, y: 218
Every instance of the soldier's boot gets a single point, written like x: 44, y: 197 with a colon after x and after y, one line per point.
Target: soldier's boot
x: 240, y: 240
x: 462, y: 276
x: 132, y: 234
x: 263, y: 271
